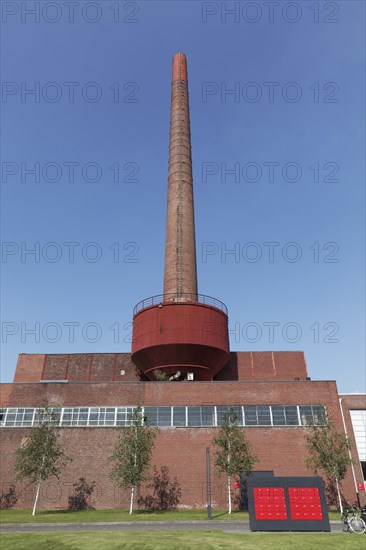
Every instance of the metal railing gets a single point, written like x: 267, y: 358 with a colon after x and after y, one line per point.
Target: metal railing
x: 179, y: 298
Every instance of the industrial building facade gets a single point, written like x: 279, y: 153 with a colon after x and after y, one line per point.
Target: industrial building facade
x: 182, y: 373
x: 92, y: 395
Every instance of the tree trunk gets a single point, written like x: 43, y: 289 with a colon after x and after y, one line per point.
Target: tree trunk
x: 229, y: 492
x: 36, y: 499
x: 339, y: 496
x: 131, y: 501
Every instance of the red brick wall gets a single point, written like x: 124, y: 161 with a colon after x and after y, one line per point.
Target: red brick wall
x: 243, y: 393
x: 182, y: 450
x: 280, y: 449
x: 75, y: 394
x: 56, y: 367
x: 29, y: 367
x: 5, y: 392
x: 84, y: 367
x: 271, y: 365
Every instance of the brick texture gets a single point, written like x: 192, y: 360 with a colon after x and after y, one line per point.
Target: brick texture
x: 281, y: 449
x: 180, y: 273
x: 111, y: 379
x: 182, y: 450
x: 105, y: 367
x: 29, y: 367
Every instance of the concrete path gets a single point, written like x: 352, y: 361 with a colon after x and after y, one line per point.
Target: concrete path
x: 213, y: 525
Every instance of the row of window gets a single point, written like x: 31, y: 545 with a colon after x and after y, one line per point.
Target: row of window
x: 205, y: 416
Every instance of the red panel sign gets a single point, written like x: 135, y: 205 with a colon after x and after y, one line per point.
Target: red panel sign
x: 305, y: 503
x: 270, y: 503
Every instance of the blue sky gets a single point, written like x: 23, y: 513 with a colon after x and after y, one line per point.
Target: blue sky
x: 293, y: 131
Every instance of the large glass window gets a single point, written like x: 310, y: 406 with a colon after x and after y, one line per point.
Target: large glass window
x: 164, y: 416
x: 208, y: 416
x: 180, y: 416
x: 222, y: 410
x: 93, y: 416
x: 312, y: 414
x: 292, y: 418
x: 82, y: 419
x: 251, y: 418
x: 264, y: 415
x: 194, y: 416
x: 124, y: 416
x: 278, y: 414
x: 152, y: 415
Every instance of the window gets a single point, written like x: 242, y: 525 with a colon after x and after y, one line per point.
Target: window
x: 312, y: 414
x: 180, y: 416
x: 164, y: 416
x: 292, y: 418
x: 123, y: 416
x: 208, y: 416
x: 107, y: 416
x: 152, y: 415
x: 194, y: 416
x: 251, y: 418
x: 264, y: 415
x: 278, y: 414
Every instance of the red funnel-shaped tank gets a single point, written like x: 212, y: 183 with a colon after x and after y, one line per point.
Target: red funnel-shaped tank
x: 182, y: 333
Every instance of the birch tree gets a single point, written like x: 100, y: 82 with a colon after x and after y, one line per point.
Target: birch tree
x: 233, y: 454
x: 328, y: 452
x: 132, y: 454
x: 42, y: 455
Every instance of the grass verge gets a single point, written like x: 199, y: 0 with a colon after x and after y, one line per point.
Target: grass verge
x: 64, y: 516
x: 180, y: 540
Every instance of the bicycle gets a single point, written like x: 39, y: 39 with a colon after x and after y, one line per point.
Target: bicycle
x: 353, y: 524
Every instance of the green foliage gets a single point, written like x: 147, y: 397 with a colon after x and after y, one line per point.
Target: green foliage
x: 8, y: 499
x: 233, y: 454
x: 42, y: 455
x: 328, y: 451
x: 131, y: 456
x: 160, y: 375
x: 82, y: 492
x: 180, y: 540
x: 166, y: 492
x: 122, y: 515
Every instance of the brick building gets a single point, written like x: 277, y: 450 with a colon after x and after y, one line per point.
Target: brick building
x: 93, y: 393
x: 184, y: 335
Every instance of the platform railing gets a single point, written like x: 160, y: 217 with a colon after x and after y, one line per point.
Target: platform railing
x: 179, y: 298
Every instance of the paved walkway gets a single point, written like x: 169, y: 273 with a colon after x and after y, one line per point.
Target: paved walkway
x: 213, y: 525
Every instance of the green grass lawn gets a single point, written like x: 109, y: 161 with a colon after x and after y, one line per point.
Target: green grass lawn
x: 63, y: 516
x: 180, y: 540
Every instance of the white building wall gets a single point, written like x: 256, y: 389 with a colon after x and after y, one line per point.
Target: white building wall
x: 358, y: 418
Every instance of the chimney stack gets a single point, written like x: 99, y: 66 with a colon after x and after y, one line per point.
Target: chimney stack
x: 180, y: 274
x: 180, y: 332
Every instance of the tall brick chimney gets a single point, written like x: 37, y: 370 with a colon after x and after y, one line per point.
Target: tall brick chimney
x: 180, y: 274
x: 180, y: 332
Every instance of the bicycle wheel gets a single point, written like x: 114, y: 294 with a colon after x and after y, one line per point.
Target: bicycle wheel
x: 345, y: 527
x: 357, y: 525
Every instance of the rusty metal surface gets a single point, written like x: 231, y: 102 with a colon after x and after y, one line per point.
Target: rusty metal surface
x: 190, y: 337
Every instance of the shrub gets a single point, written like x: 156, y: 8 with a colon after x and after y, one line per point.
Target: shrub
x: 8, y: 499
x: 82, y: 492
x: 166, y: 492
